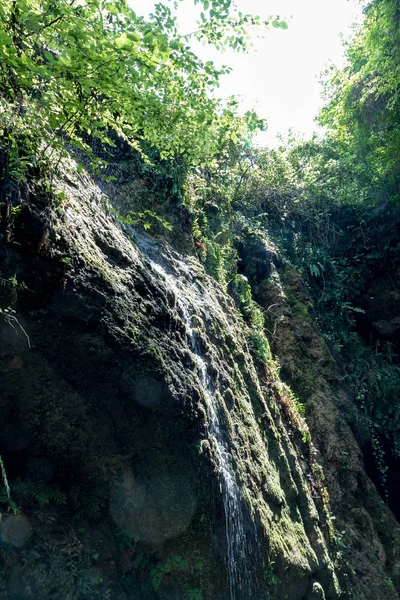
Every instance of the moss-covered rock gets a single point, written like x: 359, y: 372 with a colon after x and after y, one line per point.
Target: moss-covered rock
x: 150, y: 456
x: 308, y: 366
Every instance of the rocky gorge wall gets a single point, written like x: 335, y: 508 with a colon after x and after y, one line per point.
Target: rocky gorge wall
x: 150, y: 454
x: 368, y: 531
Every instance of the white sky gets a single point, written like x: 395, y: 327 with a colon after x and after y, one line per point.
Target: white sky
x: 280, y: 76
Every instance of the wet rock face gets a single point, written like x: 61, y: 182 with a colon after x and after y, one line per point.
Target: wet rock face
x: 153, y: 509
x: 368, y: 534
x: 100, y: 425
x: 257, y: 258
x: 145, y: 446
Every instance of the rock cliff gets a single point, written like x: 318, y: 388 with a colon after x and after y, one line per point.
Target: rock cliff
x: 150, y: 453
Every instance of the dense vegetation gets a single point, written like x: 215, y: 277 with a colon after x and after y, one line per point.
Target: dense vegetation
x: 70, y: 70
x: 331, y: 204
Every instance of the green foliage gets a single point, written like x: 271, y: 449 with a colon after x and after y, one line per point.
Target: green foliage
x: 30, y: 492
x: 332, y: 206
x: 374, y: 374
x: 293, y: 409
x: 175, y: 563
x: 271, y: 580
x: 195, y: 594
x: 188, y: 568
x: 363, y: 108
x: 145, y: 219
x: 141, y: 561
x: 218, y: 260
x: 59, y: 64
x: 253, y: 318
x: 125, y: 540
x: 24, y: 494
x: 88, y: 580
x: 14, y: 284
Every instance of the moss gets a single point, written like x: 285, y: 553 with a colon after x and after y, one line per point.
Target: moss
x: 128, y: 384
x: 300, y: 309
x: 317, y: 592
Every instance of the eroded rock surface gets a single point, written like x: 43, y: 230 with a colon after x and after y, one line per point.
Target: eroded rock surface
x: 369, y: 533
x: 152, y: 456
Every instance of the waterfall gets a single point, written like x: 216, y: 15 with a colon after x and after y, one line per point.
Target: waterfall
x: 243, y: 550
x: 240, y: 556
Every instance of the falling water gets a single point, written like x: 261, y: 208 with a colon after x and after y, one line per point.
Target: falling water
x: 241, y: 535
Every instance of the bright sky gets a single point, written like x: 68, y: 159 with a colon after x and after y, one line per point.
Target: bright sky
x: 280, y: 76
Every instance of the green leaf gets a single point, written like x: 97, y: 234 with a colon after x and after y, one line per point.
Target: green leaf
x: 121, y: 41
x: 135, y: 37
x: 49, y: 56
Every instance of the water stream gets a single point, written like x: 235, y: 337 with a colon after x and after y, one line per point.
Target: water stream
x: 241, y: 534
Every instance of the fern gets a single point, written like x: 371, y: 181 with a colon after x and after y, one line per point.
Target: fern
x: 40, y: 493
x: 175, y: 563
x: 125, y: 540
x: 6, y: 500
x: 195, y: 594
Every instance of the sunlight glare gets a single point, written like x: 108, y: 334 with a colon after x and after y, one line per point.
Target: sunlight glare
x: 280, y: 76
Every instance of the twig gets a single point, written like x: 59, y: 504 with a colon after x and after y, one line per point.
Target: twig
x: 272, y: 306
x: 274, y: 333
x: 4, y: 478
x: 10, y: 320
